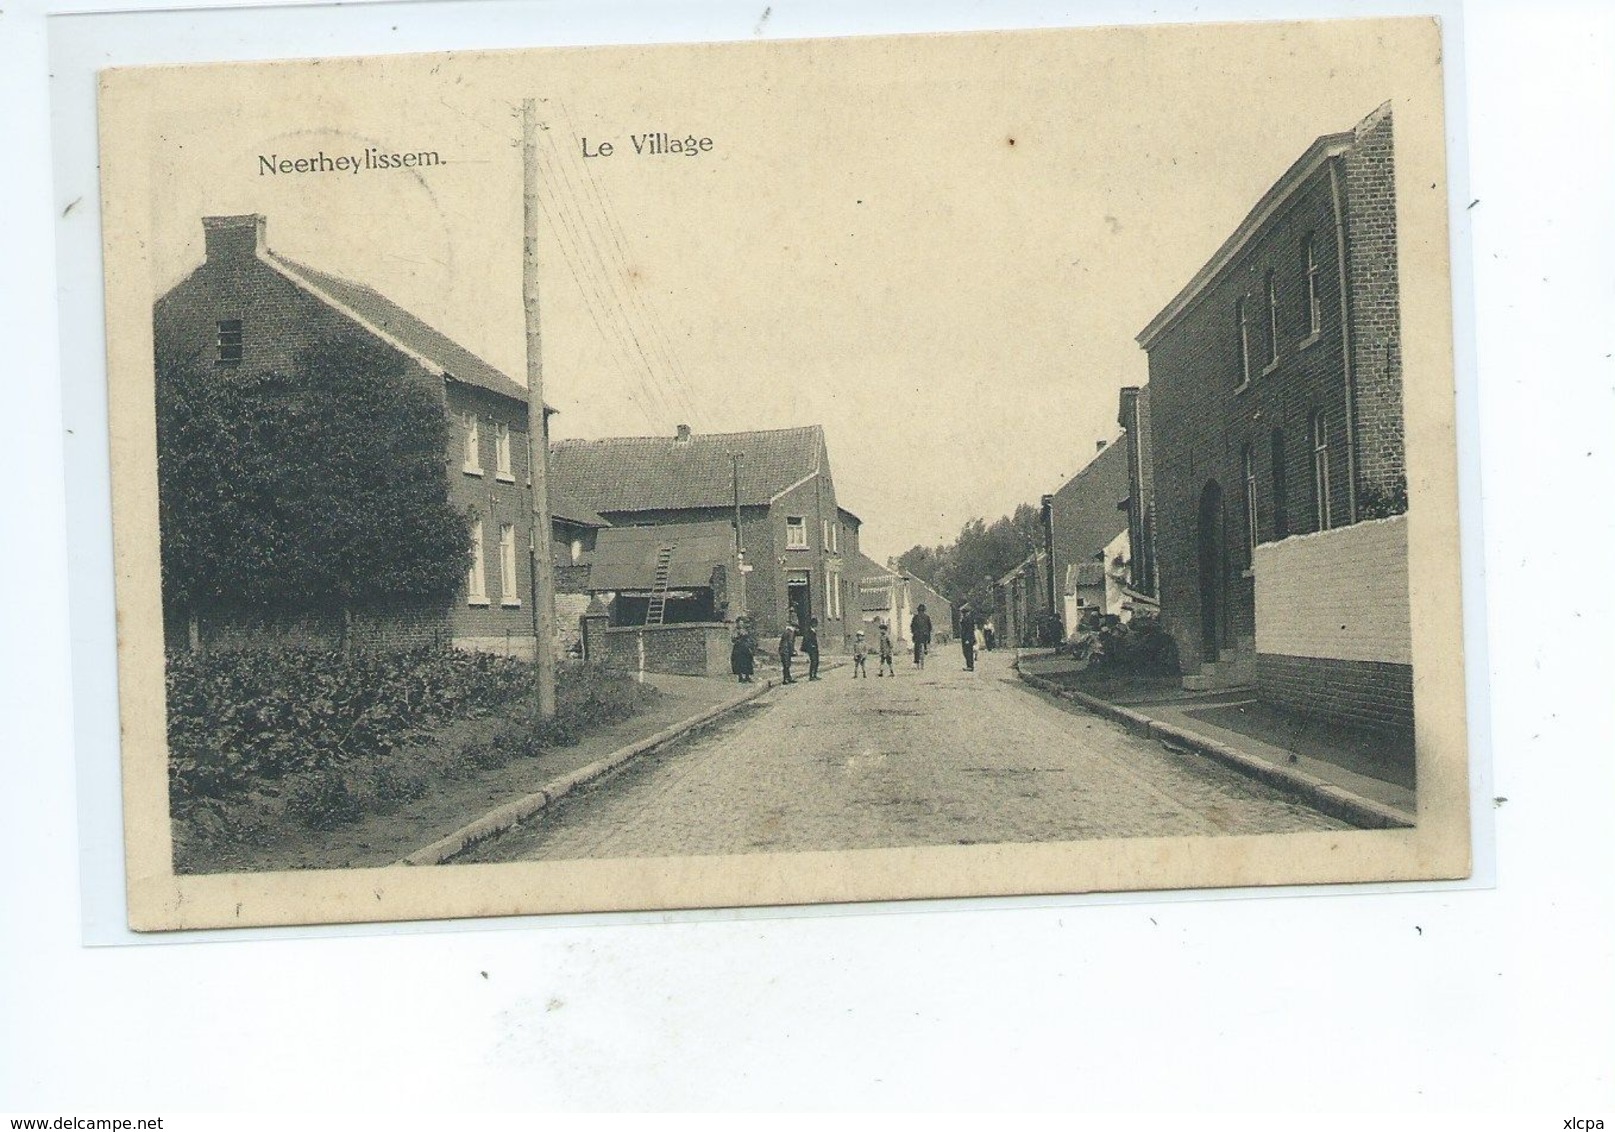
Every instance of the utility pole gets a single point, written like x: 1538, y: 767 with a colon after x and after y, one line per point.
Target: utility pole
x: 740, y: 549
x: 538, y: 427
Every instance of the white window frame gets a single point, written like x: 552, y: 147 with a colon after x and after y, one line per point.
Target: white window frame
x: 509, y: 594
x: 501, y: 449
x: 796, y: 532
x: 1242, y: 316
x: 1314, y: 306
x: 472, y: 425
x: 577, y: 551
x: 832, y: 595
x: 476, y: 581
x: 1320, y: 471
x: 1272, y: 320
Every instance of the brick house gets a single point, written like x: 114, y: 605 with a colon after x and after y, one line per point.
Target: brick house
x: 1275, y: 428
x: 1083, y: 521
x: 890, y: 596
x: 251, y: 311
x: 1134, y: 418
x: 797, y: 540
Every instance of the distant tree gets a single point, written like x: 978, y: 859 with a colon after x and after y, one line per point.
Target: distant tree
x: 978, y: 557
x: 317, y: 490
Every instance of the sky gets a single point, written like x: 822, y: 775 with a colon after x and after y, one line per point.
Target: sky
x: 938, y: 247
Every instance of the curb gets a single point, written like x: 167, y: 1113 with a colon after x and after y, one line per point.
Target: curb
x: 1325, y: 797
x: 497, y: 821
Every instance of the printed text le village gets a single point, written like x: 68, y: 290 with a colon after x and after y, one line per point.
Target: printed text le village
x: 652, y: 145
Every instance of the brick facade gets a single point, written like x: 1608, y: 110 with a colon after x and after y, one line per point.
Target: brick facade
x: 830, y: 537
x: 1236, y: 407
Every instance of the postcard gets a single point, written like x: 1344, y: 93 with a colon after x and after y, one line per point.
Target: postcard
x: 793, y: 472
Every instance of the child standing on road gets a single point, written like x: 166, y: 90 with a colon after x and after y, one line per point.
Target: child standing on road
x: 886, y: 666
x: 860, y: 650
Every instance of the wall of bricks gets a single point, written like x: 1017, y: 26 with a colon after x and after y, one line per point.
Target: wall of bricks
x: 1345, y: 693
x: 1340, y: 594
x: 1204, y: 416
x: 685, y: 650
x: 1370, y: 207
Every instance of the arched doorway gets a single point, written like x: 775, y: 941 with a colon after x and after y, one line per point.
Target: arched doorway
x: 1211, y: 558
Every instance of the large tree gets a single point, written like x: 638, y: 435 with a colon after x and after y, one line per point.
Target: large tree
x: 321, y: 489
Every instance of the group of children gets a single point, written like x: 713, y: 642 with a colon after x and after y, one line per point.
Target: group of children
x: 742, y: 654
x: 860, y: 653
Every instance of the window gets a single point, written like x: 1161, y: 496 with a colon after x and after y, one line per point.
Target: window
x: 507, y: 565
x: 832, y: 596
x: 1320, y: 469
x: 1272, y: 320
x: 835, y: 536
x: 824, y: 533
x: 1243, y: 319
x: 473, y: 443
x: 501, y: 449
x: 577, y: 551
x: 1281, y: 515
x: 1247, y: 462
x: 230, y: 342
x: 1314, y: 308
x: 795, y: 533
x: 476, y: 583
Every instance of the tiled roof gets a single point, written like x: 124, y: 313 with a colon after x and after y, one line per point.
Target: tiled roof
x: 1085, y: 574
x: 624, y: 558
x: 652, y: 473
x: 862, y: 566
x: 564, y: 505
x: 359, y: 301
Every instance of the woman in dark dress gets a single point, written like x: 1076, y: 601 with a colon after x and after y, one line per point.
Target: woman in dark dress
x: 741, y: 660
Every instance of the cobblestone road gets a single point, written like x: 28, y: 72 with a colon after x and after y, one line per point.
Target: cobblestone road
x: 937, y: 756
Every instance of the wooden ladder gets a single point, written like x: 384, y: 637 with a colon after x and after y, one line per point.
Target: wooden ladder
x: 657, y: 609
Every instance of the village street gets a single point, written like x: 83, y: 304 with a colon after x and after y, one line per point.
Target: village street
x: 934, y: 757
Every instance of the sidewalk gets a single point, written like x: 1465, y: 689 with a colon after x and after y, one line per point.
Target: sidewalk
x: 1365, y: 779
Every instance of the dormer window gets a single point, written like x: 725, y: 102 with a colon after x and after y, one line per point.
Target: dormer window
x: 229, y: 342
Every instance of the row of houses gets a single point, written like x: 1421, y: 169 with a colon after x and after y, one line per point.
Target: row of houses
x: 675, y: 536
x: 1257, y: 497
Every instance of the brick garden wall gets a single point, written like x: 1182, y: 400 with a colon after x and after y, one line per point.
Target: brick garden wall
x: 686, y: 650
x: 1333, y: 634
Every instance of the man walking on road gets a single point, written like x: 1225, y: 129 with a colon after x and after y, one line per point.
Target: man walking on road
x: 787, y: 650
x: 919, y: 631
x: 810, y: 645
x: 967, y: 635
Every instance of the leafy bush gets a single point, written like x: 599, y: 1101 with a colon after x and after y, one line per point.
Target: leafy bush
x: 318, y: 727
x: 317, y: 489
x: 236, y: 719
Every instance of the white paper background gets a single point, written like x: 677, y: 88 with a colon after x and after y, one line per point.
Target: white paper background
x: 1476, y: 997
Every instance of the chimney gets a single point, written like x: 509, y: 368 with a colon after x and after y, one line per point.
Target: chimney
x: 683, y: 436
x: 1099, y: 445
x: 234, y: 237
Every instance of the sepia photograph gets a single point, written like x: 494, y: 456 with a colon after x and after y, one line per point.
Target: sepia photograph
x: 791, y: 472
